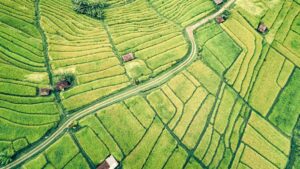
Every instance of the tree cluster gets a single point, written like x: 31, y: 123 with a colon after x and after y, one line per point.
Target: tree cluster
x: 5, y: 157
x: 92, y: 8
x: 68, y: 77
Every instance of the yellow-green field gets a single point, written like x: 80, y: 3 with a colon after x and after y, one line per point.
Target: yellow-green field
x: 235, y: 105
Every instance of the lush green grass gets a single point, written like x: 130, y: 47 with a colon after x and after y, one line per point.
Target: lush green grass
x: 159, y: 46
x: 162, y: 105
x: 140, y: 108
x: 177, y: 159
x: 190, y: 110
x: 62, y: 151
x: 182, y: 87
x: 161, y: 151
x: 77, y: 162
x: 205, y: 76
x: 84, y: 50
x: 286, y: 109
x: 198, y: 124
x: 270, y: 133
x: 176, y: 101
x: 235, y: 105
x: 25, y: 117
x: 263, y: 147
x: 36, y: 163
x: 122, y: 125
x: 292, y: 42
x: 255, y: 160
x: 224, y: 110
x: 92, y: 146
x: 259, y: 11
x: 16, y: 89
x: 183, y: 12
x: 223, y: 48
x: 140, y: 154
x: 266, y: 87
x: 137, y: 69
x: 241, y: 73
x: 193, y: 164
x: 19, y: 144
x: 94, y: 123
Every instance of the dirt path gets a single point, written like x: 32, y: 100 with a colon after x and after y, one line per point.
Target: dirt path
x: 125, y: 94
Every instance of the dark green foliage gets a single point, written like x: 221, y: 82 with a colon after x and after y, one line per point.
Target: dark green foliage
x: 226, y: 14
x: 69, y: 77
x: 92, y: 8
x: 294, y: 161
x: 286, y: 109
x: 5, y: 157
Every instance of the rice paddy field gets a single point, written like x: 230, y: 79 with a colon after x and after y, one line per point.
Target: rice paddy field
x: 235, y: 106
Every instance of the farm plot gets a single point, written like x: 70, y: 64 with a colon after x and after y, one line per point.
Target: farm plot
x: 80, y: 45
x: 229, y: 109
x: 243, y: 71
x: 209, y: 127
x: 260, y: 11
x: 25, y: 117
x: 219, y: 51
x: 183, y: 12
x: 260, y: 72
x: 264, y: 143
x: 285, y: 111
x: 64, y: 153
x: 287, y: 37
x: 156, y: 42
x: 271, y: 79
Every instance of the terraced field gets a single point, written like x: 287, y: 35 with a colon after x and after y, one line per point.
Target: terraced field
x: 24, y: 116
x: 235, y: 105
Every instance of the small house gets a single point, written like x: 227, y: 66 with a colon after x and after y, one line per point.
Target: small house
x: 220, y: 19
x: 218, y: 2
x: 109, y: 163
x: 62, y: 85
x: 262, y: 28
x: 128, y: 57
x: 44, y: 91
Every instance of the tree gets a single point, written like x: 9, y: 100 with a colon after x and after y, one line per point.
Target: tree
x: 5, y: 158
x: 91, y: 8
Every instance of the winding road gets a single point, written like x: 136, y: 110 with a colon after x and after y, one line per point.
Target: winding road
x: 124, y: 94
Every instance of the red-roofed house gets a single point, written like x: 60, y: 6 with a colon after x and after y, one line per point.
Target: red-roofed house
x: 220, y: 19
x: 128, y: 57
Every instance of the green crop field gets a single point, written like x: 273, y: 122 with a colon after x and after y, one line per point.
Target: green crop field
x: 151, y: 83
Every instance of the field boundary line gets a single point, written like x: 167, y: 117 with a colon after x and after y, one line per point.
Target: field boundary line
x: 125, y: 94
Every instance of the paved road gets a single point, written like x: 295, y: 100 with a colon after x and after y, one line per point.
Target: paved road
x: 125, y: 94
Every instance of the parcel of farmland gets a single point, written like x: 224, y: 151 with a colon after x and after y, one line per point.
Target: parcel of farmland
x: 150, y: 84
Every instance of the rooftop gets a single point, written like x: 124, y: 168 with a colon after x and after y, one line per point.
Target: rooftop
x: 218, y: 2
x: 109, y: 163
x: 262, y: 28
x: 44, y: 91
x: 128, y: 57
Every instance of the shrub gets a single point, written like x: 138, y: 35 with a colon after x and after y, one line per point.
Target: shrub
x: 69, y: 77
x: 92, y: 8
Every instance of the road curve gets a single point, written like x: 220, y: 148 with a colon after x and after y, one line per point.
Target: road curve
x: 125, y: 94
